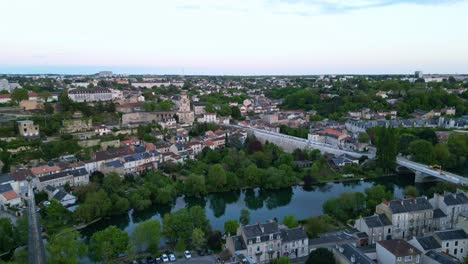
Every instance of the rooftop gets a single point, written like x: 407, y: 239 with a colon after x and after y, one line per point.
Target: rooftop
x: 399, y: 247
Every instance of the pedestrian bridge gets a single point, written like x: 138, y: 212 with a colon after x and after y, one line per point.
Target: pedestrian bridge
x: 290, y: 143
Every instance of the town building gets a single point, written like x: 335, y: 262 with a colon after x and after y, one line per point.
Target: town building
x: 377, y: 227
x: 451, y: 204
x: 453, y: 242
x: 96, y: 94
x: 263, y: 242
x: 27, y: 128
x: 410, y: 217
x: 184, y: 113
x: 397, y: 252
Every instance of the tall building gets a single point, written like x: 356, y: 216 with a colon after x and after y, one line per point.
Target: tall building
x: 90, y: 94
x: 184, y: 113
x: 418, y: 74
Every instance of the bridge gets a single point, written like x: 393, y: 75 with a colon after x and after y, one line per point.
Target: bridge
x: 36, y: 251
x: 289, y: 143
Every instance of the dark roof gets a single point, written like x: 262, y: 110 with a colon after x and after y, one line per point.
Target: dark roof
x: 89, y: 90
x: 428, y: 242
x: 438, y: 213
x: 113, y: 153
x: 262, y: 230
x: 21, y: 175
x: 349, y: 251
x: 60, y: 195
x: 409, y: 205
x: 455, y: 199
x: 57, y: 175
x: 451, y: 234
x: 378, y: 220
x: 238, y: 243
x: 441, y: 258
x: 6, y: 177
x: 399, y: 247
x: 293, y: 234
x: 5, y: 188
x: 50, y: 188
x: 256, y: 229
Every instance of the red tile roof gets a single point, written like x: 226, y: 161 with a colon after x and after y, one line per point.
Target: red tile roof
x: 10, y: 195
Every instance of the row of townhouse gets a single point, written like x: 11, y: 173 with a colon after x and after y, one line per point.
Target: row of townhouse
x: 416, y: 219
x: 263, y: 242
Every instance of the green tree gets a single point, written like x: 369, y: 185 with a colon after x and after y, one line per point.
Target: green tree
x: 195, y: 185
x: 244, y: 218
x: 282, y: 260
x: 216, y: 178
x: 146, y: 236
x: 347, y: 205
x: 321, y: 256
x: 176, y: 225
x: 411, y: 191
x: 236, y: 113
x: 375, y: 195
x: 179, y: 246
x: 199, y: 219
x: 387, y: 147
x: 19, y: 95
x: 230, y: 227
x: 56, y: 217
x: 318, y: 224
x: 290, y: 221
x: 422, y: 151
x: 66, y: 247
x: 107, y: 244
x: 198, y: 238
x: 7, y: 235
x: 97, y: 204
x: 363, y: 137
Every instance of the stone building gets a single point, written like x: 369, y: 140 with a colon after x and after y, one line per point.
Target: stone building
x: 184, y: 113
x: 27, y: 128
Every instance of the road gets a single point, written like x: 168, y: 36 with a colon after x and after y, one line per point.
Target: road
x: 36, y: 251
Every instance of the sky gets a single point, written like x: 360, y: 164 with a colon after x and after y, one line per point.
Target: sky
x: 234, y: 37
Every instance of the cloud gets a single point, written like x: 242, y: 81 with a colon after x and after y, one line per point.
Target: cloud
x: 309, y: 7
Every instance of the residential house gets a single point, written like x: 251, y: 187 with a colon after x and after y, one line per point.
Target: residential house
x: 261, y: 241
x: 435, y: 257
x: 410, y: 217
x: 349, y: 254
x: 8, y: 197
x: 61, y: 196
x: 426, y: 244
x: 294, y: 242
x: 454, y: 242
x: 344, y: 159
x: 396, y: 252
x: 377, y: 227
x: 451, y: 204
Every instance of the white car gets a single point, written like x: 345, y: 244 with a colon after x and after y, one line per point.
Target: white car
x: 172, y: 257
x: 164, y: 258
x: 187, y: 254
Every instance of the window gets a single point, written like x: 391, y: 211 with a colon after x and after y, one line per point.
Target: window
x: 456, y: 243
x: 447, y: 245
x: 455, y: 251
x: 389, y: 230
x: 258, y: 248
x: 461, y: 250
x: 399, y: 259
x: 408, y: 258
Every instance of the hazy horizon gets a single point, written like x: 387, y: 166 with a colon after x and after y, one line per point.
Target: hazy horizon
x: 244, y: 37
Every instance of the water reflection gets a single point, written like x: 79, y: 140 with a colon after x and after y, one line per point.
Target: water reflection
x: 302, y: 201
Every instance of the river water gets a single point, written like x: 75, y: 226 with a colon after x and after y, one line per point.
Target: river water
x: 302, y: 202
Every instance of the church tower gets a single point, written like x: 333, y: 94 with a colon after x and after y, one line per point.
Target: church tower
x: 184, y: 113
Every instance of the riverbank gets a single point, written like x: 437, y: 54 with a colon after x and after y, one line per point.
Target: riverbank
x: 301, y: 201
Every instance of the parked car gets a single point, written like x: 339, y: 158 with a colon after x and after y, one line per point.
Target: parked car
x: 158, y: 260
x: 172, y: 257
x: 187, y: 254
x: 165, y: 258
x: 150, y: 260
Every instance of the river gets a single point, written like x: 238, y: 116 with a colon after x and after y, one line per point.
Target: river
x: 302, y: 202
